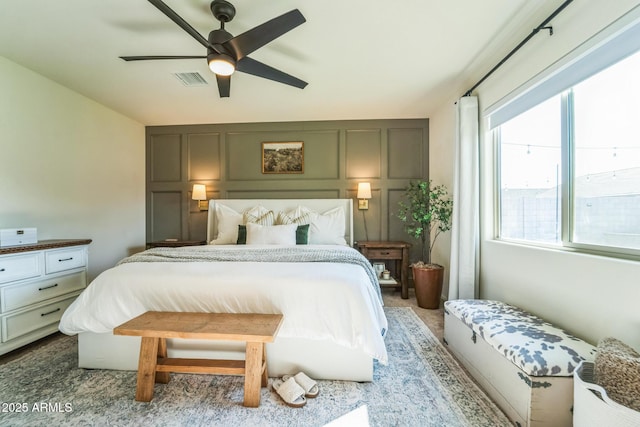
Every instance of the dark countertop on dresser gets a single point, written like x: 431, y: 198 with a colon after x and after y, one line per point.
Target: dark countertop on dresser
x: 43, y: 244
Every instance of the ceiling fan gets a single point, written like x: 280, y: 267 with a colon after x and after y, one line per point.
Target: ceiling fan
x: 225, y: 53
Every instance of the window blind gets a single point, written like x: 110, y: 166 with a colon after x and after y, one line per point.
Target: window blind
x: 616, y: 42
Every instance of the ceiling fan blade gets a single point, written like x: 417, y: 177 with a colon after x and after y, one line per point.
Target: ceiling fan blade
x: 181, y: 22
x: 224, y: 85
x: 146, y: 58
x: 259, y: 36
x: 257, y: 68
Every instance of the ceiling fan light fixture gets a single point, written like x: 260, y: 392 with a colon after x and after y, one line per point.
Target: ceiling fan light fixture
x: 225, y: 52
x: 221, y: 64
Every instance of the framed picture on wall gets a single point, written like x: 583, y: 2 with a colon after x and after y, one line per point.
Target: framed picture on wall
x: 283, y: 157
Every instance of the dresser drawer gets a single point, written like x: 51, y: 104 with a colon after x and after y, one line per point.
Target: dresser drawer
x: 384, y: 253
x: 65, y: 259
x: 17, y: 267
x: 19, y: 324
x: 17, y: 296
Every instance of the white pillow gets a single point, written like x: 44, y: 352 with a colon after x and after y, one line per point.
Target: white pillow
x: 271, y: 235
x: 227, y: 221
x: 328, y: 228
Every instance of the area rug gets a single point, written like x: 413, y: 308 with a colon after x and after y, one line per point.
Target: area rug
x: 421, y: 386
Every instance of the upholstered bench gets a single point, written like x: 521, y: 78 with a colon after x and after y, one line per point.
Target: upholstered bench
x: 524, y: 363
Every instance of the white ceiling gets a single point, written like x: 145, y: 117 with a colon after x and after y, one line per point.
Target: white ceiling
x: 363, y: 59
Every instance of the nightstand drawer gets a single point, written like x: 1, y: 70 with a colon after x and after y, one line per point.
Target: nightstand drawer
x: 16, y: 325
x: 384, y: 253
x: 65, y: 259
x: 17, y: 296
x: 17, y: 267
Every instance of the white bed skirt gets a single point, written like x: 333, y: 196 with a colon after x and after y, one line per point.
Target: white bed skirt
x: 322, y: 360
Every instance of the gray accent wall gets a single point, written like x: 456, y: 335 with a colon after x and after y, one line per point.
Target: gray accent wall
x: 227, y: 158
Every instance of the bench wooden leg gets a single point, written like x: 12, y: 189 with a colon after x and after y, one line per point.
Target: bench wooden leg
x: 265, y: 374
x: 147, y: 369
x: 162, y: 377
x: 253, y: 374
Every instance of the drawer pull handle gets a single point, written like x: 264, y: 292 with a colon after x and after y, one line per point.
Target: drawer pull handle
x: 65, y: 259
x: 48, y: 287
x: 386, y: 253
x: 50, y: 312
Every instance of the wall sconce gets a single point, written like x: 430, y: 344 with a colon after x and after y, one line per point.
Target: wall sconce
x: 199, y: 193
x: 364, y: 194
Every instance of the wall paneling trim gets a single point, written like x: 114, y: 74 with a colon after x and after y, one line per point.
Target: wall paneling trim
x: 227, y: 158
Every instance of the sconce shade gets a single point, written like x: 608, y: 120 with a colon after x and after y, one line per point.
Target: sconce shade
x: 364, y: 190
x: 199, y: 192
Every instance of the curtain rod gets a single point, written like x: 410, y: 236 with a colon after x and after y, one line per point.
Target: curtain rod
x: 542, y: 26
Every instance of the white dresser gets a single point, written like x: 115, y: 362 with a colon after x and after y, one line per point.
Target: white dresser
x: 37, y: 284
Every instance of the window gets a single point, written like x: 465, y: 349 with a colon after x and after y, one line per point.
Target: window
x: 530, y: 203
x: 606, y: 165
x: 569, y: 165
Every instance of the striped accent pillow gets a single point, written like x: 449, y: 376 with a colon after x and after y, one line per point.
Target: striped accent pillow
x: 259, y: 215
x: 299, y: 216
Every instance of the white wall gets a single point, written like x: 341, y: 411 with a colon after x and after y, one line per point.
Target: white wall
x: 591, y: 296
x: 70, y: 167
x: 441, y: 152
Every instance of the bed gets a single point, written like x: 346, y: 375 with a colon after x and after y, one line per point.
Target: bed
x: 334, y: 323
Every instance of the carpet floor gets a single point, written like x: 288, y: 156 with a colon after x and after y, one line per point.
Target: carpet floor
x: 421, y: 386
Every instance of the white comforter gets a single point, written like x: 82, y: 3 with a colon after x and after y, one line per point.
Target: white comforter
x: 319, y: 300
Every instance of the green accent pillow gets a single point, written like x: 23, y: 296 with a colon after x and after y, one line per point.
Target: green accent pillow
x: 302, y: 235
x: 242, y: 235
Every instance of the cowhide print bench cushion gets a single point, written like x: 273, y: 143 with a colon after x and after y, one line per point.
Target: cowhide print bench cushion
x: 537, y: 347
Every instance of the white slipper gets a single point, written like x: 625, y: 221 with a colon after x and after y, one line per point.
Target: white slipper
x: 290, y: 392
x: 309, y: 385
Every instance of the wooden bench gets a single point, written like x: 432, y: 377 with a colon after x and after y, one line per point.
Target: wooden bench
x: 156, y: 326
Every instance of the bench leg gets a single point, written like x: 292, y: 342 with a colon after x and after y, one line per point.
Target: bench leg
x: 265, y: 374
x: 253, y: 374
x: 162, y: 377
x: 147, y: 369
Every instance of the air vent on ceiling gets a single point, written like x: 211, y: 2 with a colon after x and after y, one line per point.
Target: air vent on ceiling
x: 191, y: 79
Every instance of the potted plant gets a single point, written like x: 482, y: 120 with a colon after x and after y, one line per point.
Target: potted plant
x: 426, y: 212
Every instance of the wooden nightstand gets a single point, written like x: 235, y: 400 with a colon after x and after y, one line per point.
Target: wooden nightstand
x: 394, y: 251
x: 175, y: 243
